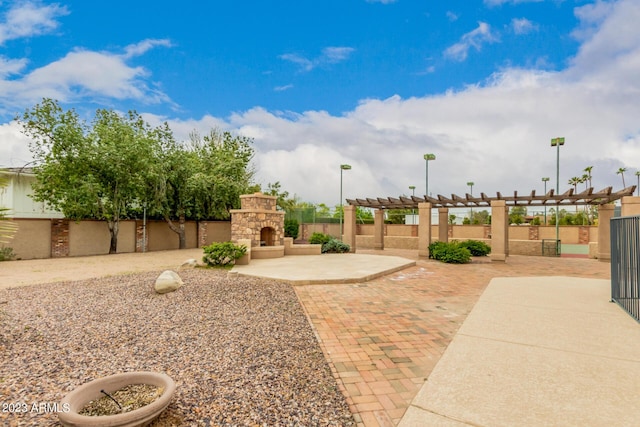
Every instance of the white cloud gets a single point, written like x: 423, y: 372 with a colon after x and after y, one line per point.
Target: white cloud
x: 496, y: 134
x: 491, y: 3
x: 329, y: 55
x: 283, y: 88
x: 451, y: 16
x: 80, y: 74
x: 30, y: 18
x: 523, y: 26
x: 142, y: 47
x: 473, y: 39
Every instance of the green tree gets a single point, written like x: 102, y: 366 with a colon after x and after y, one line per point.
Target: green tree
x: 202, y: 179
x: 621, y: 172
x: 91, y: 171
x: 480, y: 217
x: 398, y: 216
x: 284, y: 201
x: 517, y: 214
x: 588, y: 170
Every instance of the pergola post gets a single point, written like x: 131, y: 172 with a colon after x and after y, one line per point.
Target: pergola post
x: 378, y: 229
x: 443, y: 224
x: 499, y: 230
x: 424, y: 229
x: 349, y: 236
x: 605, y: 213
x: 630, y: 206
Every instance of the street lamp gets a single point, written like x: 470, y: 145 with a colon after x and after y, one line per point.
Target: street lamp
x: 470, y: 184
x: 428, y: 157
x: 557, y: 142
x: 343, y: 167
x: 545, y: 180
x: 638, y: 187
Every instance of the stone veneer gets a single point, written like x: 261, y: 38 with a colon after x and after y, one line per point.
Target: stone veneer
x: 256, y: 212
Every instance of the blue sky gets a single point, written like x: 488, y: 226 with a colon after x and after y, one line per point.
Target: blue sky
x: 482, y: 84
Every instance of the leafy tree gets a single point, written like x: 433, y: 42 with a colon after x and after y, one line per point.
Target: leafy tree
x: 481, y: 217
x: 398, y: 216
x: 201, y: 179
x: 323, y: 210
x: 91, y: 171
x: 452, y: 219
x: 284, y: 201
x: 517, y: 214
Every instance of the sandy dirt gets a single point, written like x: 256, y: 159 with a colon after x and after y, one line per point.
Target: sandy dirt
x: 34, y: 271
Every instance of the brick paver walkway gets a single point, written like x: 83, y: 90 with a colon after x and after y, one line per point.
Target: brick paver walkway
x: 382, y: 338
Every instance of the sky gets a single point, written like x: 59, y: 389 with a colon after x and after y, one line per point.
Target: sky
x: 376, y: 84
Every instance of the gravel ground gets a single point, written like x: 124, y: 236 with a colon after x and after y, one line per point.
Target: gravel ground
x: 241, y: 350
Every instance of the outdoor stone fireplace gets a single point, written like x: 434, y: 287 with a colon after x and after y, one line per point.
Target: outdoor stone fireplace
x: 259, y: 222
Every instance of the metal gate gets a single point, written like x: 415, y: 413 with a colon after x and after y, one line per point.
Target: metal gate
x: 625, y: 264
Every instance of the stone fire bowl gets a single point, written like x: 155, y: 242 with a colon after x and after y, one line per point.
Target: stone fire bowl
x: 78, y: 398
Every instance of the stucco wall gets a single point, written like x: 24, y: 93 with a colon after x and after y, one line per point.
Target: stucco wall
x: 93, y: 238
x: 161, y: 238
x: 32, y: 239
x: 217, y: 231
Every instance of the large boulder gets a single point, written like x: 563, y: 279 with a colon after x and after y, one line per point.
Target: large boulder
x: 168, y: 281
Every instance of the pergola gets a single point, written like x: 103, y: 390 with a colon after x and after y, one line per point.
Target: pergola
x: 499, y: 205
x: 568, y: 198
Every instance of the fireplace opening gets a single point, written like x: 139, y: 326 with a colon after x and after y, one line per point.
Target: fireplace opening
x: 267, y: 236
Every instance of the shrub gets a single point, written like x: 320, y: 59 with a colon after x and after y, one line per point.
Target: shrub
x: 452, y: 253
x: 222, y: 254
x: 335, y: 246
x: 436, y: 248
x: 476, y: 247
x: 6, y: 254
x: 319, y: 238
x: 291, y: 227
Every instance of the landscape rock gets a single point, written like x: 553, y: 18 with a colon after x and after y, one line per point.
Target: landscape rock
x: 190, y: 263
x: 168, y: 281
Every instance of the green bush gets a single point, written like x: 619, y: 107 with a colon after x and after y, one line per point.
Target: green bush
x: 335, y: 246
x: 452, y: 253
x: 436, y: 248
x: 476, y: 247
x: 222, y: 254
x: 6, y: 254
x: 291, y: 227
x: 319, y: 238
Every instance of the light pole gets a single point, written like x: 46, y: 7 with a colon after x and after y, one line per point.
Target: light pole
x: 545, y: 180
x: 557, y: 142
x: 638, y: 187
x: 428, y: 157
x: 343, y: 167
x: 470, y: 184
x: 413, y: 211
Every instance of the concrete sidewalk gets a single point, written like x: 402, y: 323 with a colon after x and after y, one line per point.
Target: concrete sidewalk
x: 537, y: 351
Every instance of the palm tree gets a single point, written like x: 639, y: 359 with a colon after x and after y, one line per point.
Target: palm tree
x: 621, y: 172
x: 574, y: 181
x: 588, y: 171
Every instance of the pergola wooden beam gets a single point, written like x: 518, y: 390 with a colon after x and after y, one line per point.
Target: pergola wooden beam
x: 568, y: 198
